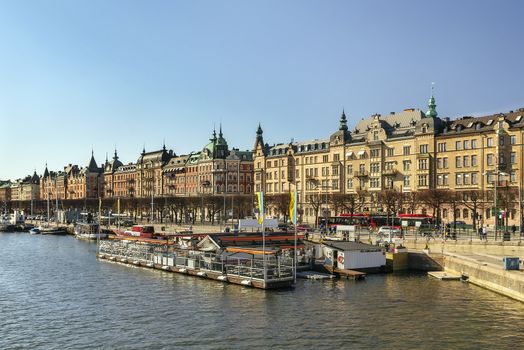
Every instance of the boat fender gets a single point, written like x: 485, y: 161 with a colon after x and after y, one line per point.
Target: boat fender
x: 341, y: 259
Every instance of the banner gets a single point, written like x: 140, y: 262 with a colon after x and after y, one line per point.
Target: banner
x: 260, y: 198
x: 293, y: 208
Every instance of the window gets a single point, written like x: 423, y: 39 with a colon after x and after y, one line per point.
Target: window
x: 375, y: 153
x: 441, y: 147
x: 473, y: 160
x: 374, y: 182
x: 334, y: 170
x: 473, y: 144
x: 466, y: 144
x: 374, y: 167
x: 336, y: 157
x: 440, y: 181
x: 490, y: 159
x: 445, y: 179
x: 458, y: 145
x: 512, y: 177
x: 512, y: 157
x: 350, y: 183
x: 423, y: 148
x: 389, y: 165
x: 501, y: 140
x: 406, y: 165
x: 458, y: 179
x: 439, y: 163
x: 389, y: 183
x: 350, y: 168
x: 466, y: 179
x: 465, y: 213
x: 490, y: 142
x: 362, y: 168
x: 465, y: 161
x: 375, y: 135
x: 275, y: 163
x: 407, y: 150
x: 362, y: 183
x: 458, y: 162
x: 474, y: 178
x: 334, y: 184
x: 512, y: 139
x: 422, y: 164
x: 445, y: 162
x: 325, y: 159
x: 390, y: 152
x: 407, y: 180
x: 422, y: 180
x: 502, y: 160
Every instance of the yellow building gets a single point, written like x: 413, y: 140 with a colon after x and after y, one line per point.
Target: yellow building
x: 409, y: 153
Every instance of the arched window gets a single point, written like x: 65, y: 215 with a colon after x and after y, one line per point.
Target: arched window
x: 465, y: 213
x: 457, y: 213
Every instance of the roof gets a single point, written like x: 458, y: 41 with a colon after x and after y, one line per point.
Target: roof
x: 155, y: 156
x: 468, y: 124
x: 352, y: 246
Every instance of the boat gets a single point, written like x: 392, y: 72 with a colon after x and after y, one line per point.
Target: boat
x: 58, y: 231
x: 143, y: 231
x: 84, y: 230
x: 34, y: 231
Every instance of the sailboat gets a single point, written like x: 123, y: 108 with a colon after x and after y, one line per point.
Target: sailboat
x: 47, y: 230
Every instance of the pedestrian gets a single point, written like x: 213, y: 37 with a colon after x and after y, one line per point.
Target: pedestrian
x: 513, y: 229
x: 485, y: 232
x: 479, y: 232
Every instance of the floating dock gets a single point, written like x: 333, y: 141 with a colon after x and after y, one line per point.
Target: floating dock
x: 348, y: 274
x: 444, y: 276
x: 268, y: 271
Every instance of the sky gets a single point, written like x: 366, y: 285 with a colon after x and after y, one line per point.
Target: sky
x: 77, y: 76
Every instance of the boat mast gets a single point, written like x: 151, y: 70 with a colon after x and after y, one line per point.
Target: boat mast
x: 56, y: 210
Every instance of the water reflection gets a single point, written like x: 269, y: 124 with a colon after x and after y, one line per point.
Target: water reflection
x: 55, y: 294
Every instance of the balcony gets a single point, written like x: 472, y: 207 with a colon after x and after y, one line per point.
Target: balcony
x: 361, y: 173
x: 389, y: 172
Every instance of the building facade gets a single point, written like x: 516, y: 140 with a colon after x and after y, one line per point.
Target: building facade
x: 409, y: 153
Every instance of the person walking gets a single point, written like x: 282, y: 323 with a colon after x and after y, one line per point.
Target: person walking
x: 485, y: 232
x: 513, y: 229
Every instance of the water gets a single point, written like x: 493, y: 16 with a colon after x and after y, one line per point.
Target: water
x: 54, y: 294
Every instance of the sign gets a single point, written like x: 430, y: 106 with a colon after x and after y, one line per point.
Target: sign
x: 253, y: 223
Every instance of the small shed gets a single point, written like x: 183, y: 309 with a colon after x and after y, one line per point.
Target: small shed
x: 353, y: 255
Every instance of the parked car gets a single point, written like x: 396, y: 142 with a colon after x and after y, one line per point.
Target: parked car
x: 304, y: 227
x: 386, y: 230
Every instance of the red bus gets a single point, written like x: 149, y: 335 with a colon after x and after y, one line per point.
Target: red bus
x: 378, y: 220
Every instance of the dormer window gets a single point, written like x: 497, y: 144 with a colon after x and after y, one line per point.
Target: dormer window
x: 519, y: 117
x: 470, y: 124
x: 489, y: 122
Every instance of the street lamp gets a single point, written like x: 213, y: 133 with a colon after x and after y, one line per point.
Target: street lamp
x: 497, y: 174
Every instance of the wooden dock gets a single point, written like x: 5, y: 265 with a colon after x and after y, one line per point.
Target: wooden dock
x: 348, y: 274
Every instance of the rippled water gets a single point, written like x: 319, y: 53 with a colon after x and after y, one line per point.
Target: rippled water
x: 54, y: 294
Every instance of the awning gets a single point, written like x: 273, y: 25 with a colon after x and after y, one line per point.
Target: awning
x: 349, y: 154
x: 360, y: 153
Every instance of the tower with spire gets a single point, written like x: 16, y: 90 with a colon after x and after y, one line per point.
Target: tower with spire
x: 432, y: 106
x: 342, y: 135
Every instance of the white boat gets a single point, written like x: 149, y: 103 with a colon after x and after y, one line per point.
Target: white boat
x: 34, y: 231
x: 89, y: 231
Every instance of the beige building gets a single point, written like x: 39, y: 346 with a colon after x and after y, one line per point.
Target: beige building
x: 408, y: 152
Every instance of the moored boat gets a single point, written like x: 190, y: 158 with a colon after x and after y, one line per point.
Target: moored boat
x: 34, y: 231
x: 58, y: 231
x: 89, y: 231
x: 143, y: 231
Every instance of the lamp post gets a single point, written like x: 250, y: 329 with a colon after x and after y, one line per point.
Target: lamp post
x: 497, y: 174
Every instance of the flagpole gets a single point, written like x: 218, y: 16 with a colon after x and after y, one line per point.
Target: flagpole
x: 294, y: 220
x: 263, y: 236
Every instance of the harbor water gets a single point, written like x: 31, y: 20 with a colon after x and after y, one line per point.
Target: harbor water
x: 55, y: 294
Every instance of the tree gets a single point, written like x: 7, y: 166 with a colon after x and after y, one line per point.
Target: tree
x: 280, y: 202
x: 390, y: 199
x: 315, y: 202
x: 213, y: 205
x: 435, y: 198
x: 412, y: 200
x: 472, y: 200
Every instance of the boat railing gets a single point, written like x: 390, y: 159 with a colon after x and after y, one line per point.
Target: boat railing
x: 276, y: 267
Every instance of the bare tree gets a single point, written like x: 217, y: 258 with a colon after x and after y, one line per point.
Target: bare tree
x: 315, y: 202
x: 280, y: 202
x: 412, y: 200
x: 435, y: 198
x: 472, y: 200
x: 390, y: 200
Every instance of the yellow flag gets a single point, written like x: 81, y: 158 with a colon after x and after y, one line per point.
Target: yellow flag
x: 260, y: 197
x: 293, y: 207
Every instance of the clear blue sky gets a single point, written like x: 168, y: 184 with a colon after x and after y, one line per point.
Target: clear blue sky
x: 77, y: 75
